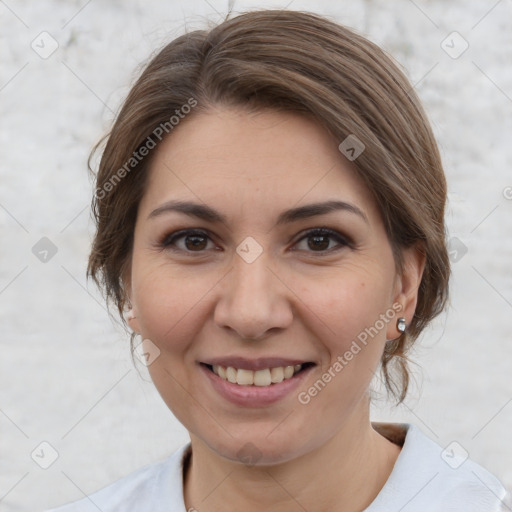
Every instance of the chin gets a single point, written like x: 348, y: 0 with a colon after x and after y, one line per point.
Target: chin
x: 257, y: 449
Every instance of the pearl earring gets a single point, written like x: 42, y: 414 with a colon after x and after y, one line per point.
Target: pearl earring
x: 400, y: 324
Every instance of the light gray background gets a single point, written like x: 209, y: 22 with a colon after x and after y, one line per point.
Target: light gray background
x: 67, y: 377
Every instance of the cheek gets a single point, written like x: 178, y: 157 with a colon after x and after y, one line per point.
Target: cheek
x: 346, y: 315
x: 348, y: 307
x: 171, y: 313
x: 169, y: 305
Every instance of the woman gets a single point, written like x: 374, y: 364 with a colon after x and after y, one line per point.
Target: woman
x: 270, y: 221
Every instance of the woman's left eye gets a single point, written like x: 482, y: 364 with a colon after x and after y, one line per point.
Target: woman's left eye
x: 318, y: 240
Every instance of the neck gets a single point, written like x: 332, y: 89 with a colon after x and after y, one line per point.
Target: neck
x: 345, y: 473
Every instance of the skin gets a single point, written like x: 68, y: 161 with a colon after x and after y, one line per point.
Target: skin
x: 295, y: 300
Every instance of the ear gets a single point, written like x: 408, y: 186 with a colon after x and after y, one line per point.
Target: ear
x: 131, y: 318
x: 407, y: 285
x: 131, y: 313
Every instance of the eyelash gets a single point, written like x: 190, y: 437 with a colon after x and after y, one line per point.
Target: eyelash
x: 169, y: 240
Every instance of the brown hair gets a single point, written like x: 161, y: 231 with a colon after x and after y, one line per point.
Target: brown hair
x: 296, y: 61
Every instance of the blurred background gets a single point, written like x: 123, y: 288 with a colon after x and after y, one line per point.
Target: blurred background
x: 75, y: 413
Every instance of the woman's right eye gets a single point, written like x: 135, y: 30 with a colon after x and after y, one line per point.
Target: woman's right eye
x: 189, y: 240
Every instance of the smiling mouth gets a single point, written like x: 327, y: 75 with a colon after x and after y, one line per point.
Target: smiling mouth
x: 263, y: 377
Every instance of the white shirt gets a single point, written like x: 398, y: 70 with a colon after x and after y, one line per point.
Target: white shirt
x: 425, y: 478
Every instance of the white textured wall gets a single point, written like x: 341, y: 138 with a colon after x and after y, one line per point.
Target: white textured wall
x: 66, y: 374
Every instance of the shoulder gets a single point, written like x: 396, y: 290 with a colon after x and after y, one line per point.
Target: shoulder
x: 155, y: 487
x: 429, y: 477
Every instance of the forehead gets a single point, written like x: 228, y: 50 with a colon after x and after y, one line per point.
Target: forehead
x: 258, y: 159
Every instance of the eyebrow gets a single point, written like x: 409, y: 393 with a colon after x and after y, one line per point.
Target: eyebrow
x: 207, y: 213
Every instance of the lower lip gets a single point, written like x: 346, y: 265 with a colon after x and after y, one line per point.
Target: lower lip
x: 254, y: 396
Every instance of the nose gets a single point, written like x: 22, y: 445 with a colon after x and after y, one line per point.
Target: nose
x: 254, y: 301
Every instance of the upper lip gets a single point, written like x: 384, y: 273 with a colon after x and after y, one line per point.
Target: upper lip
x: 261, y: 363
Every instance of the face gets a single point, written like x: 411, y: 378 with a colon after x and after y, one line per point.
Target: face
x: 236, y: 276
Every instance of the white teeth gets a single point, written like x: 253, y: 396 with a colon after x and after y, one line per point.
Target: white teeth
x: 288, y: 372
x: 277, y: 375
x: 221, y: 371
x: 260, y: 378
x: 231, y: 374
x: 245, y: 377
